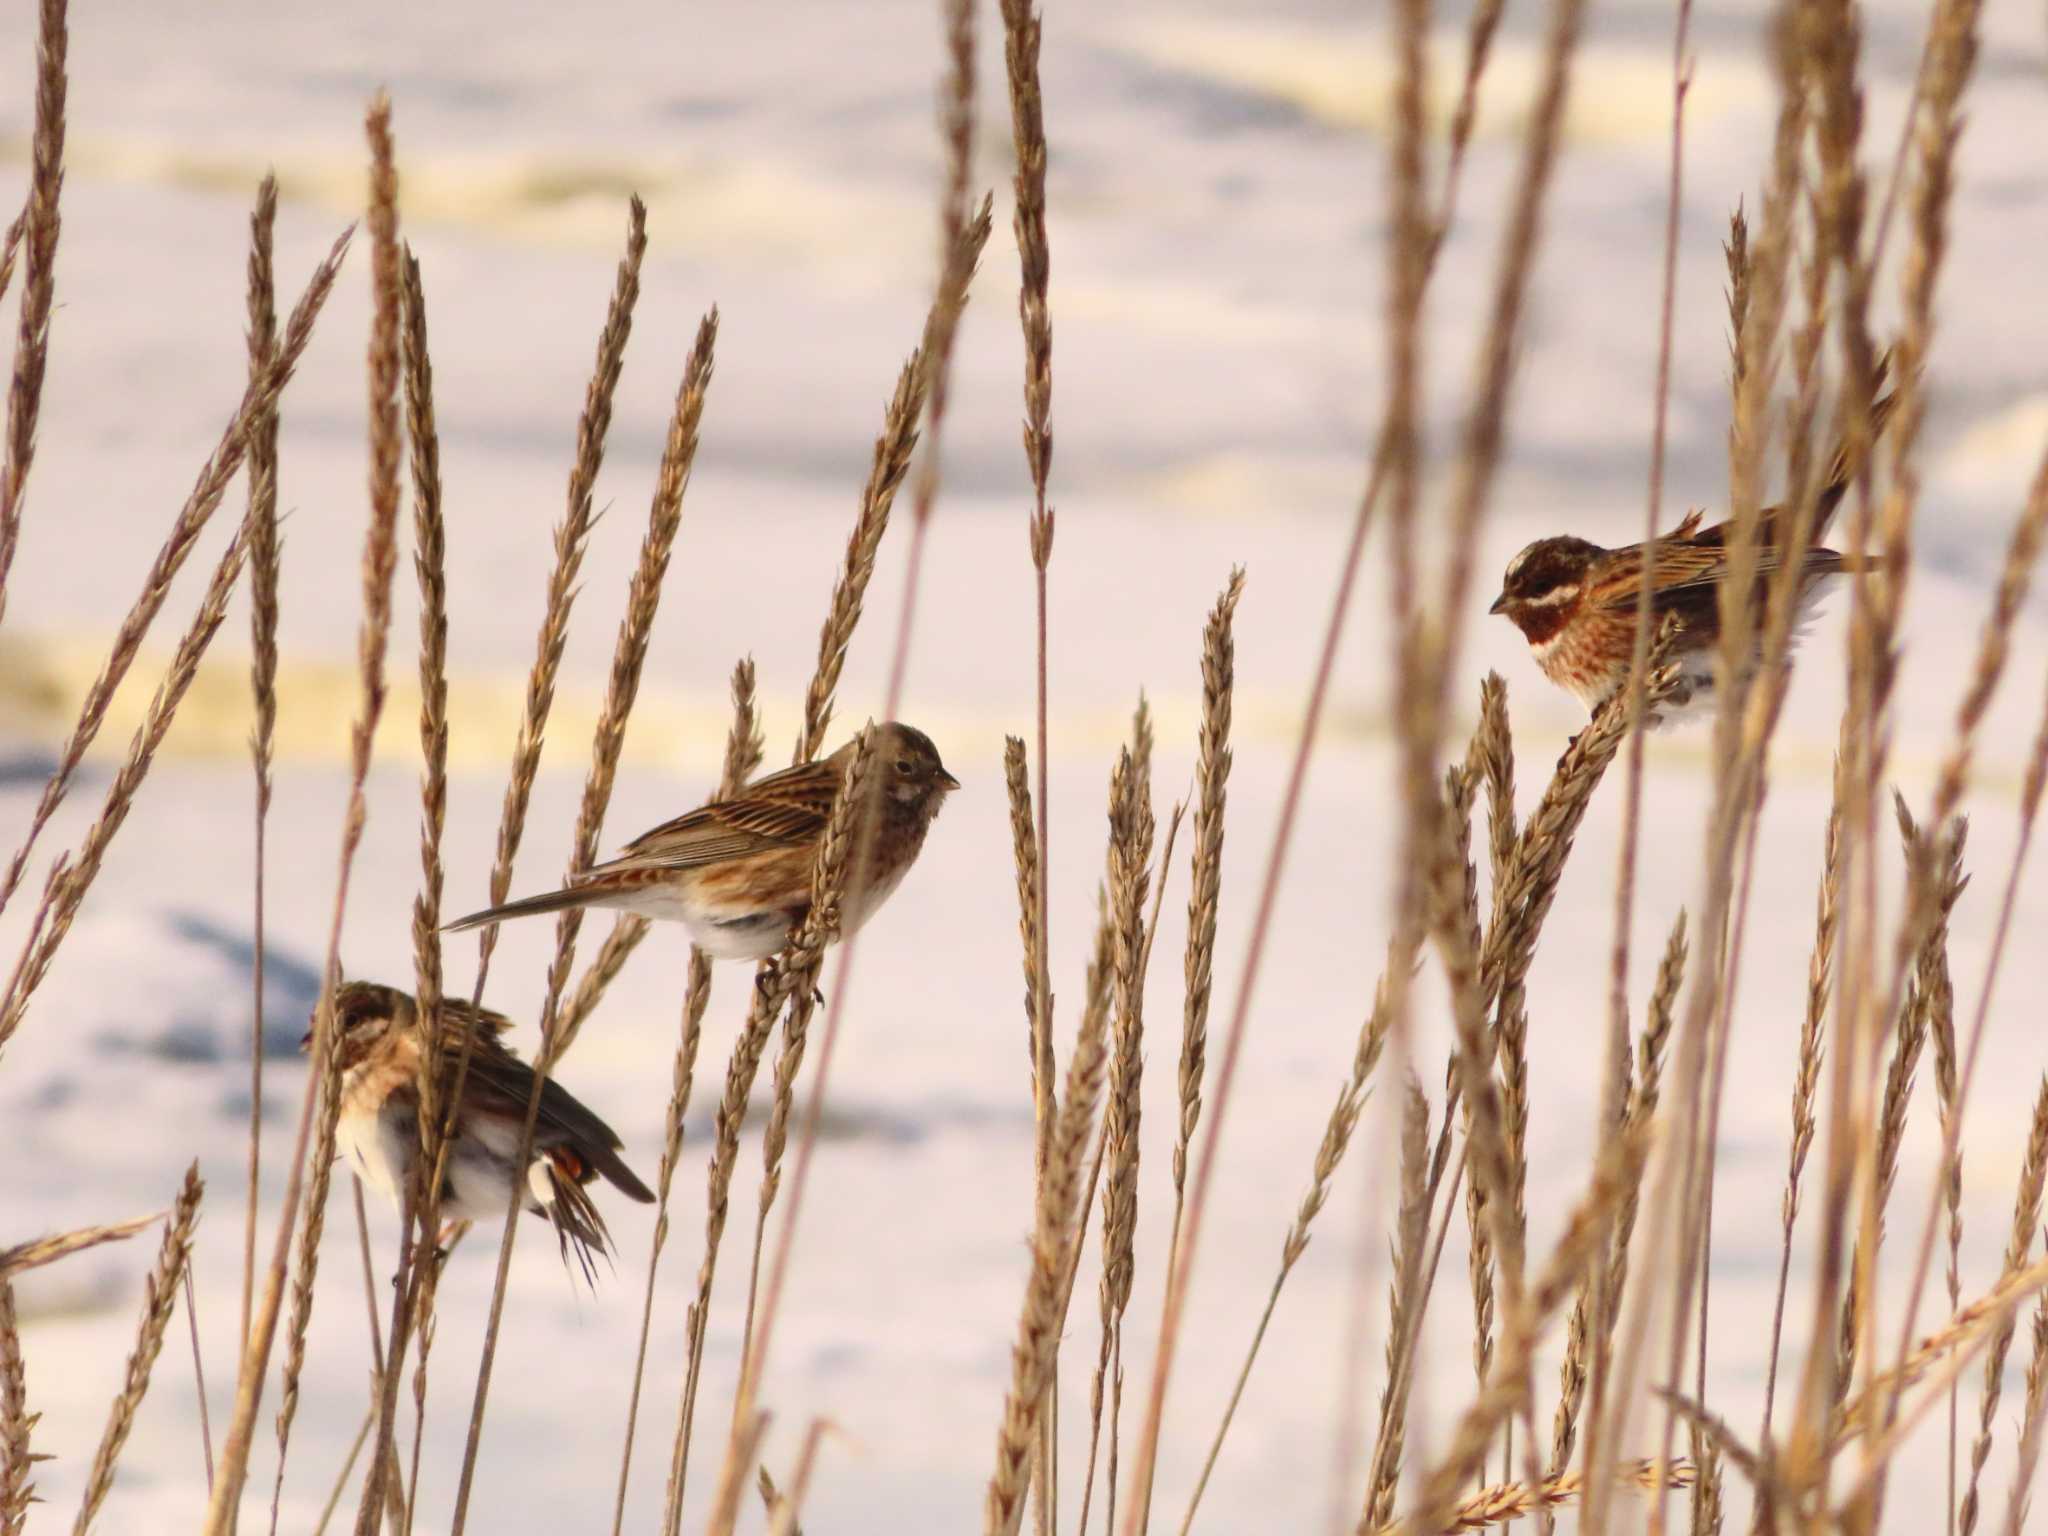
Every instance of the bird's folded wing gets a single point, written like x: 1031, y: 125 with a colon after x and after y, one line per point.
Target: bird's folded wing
x: 499, y: 1080
x: 790, y: 807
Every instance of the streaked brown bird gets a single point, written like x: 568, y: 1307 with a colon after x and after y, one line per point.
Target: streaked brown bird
x: 381, y: 1051
x: 1575, y: 602
x: 737, y: 873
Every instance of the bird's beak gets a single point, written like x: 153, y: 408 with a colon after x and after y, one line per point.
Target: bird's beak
x: 947, y: 780
x: 1499, y: 604
x: 306, y: 1041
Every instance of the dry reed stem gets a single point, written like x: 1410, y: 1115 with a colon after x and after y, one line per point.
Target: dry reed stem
x: 191, y: 520
x: 1024, y: 855
x: 1618, y: 1168
x: 47, y: 1250
x: 951, y: 297
x: 380, y: 562
x: 1411, y: 1232
x: 2022, y: 552
x: 322, y: 1080
x: 1819, y: 984
x: 1205, y: 880
x: 415, y: 1311
x: 265, y: 556
x: 828, y: 883
x: 159, y: 1298
x: 2030, y: 1425
x: 743, y: 748
x: 1511, y: 1501
x: 1129, y: 854
x: 790, y: 979
x: 628, y: 659
x: 626, y: 933
x: 2026, y: 1215
x: 1021, y: 39
x: 16, y: 1460
x: 1589, y: 1335
x: 75, y: 875
x: 784, y: 1508
x: 1057, y: 1231
x: 1491, y: 757
x: 40, y: 222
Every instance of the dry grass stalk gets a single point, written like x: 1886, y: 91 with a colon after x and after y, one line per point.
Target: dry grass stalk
x: 76, y: 874
x: 790, y: 979
x: 1909, y: 1039
x: 1511, y: 1501
x: 629, y: 656
x: 1205, y: 883
x: 159, y: 1297
x: 210, y: 486
x: 1806, y: 1079
x: 47, y: 1250
x: 16, y: 1460
x: 40, y: 222
x: 265, y: 557
x: 570, y: 536
x: 1955, y: 1341
x: 2026, y: 1216
x: 1130, y: 838
x: 1618, y: 1169
x: 2030, y: 1425
x: 1056, y: 1235
x: 415, y: 1311
x: 1411, y: 1232
x: 1491, y: 757
x: 743, y: 748
x: 380, y: 552
x: 783, y: 1508
x: 1024, y: 854
x: 1589, y: 1335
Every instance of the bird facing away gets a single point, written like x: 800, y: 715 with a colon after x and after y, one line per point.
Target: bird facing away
x: 737, y: 873
x: 381, y: 1051
x: 1575, y: 602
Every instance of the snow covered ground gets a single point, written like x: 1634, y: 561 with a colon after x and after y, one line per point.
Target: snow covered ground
x: 1216, y: 227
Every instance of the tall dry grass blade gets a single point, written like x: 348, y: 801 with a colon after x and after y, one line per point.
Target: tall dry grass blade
x: 643, y: 598
x: 1617, y: 1170
x: 1411, y: 1232
x: 2026, y: 1216
x: 951, y: 298
x: 784, y: 1508
x: 629, y: 657
x: 41, y: 220
x: 1205, y: 882
x: 265, y: 557
x: 776, y: 983
x: 2031, y: 1425
x: 16, y: 1460
x: 1057, y: 1230
x: 47, y: 1250
x: 1507, y: 1502
x: 1589, y: 1336
x: 743, y: 748
x: 74, y: 876
x: 159, y: 1297
x: 1024, y: 855
x: 1806, y: 1079
x: 191, y: 520
x: 1022, y: 35
x: 380, y: 558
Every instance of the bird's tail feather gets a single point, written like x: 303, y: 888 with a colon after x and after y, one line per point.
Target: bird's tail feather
x: 526, y: 906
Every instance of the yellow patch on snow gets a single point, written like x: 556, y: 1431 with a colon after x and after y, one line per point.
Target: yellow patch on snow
x: 1620, y: 95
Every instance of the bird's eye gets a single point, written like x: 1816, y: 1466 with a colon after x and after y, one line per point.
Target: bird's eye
x: 904, y: 765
